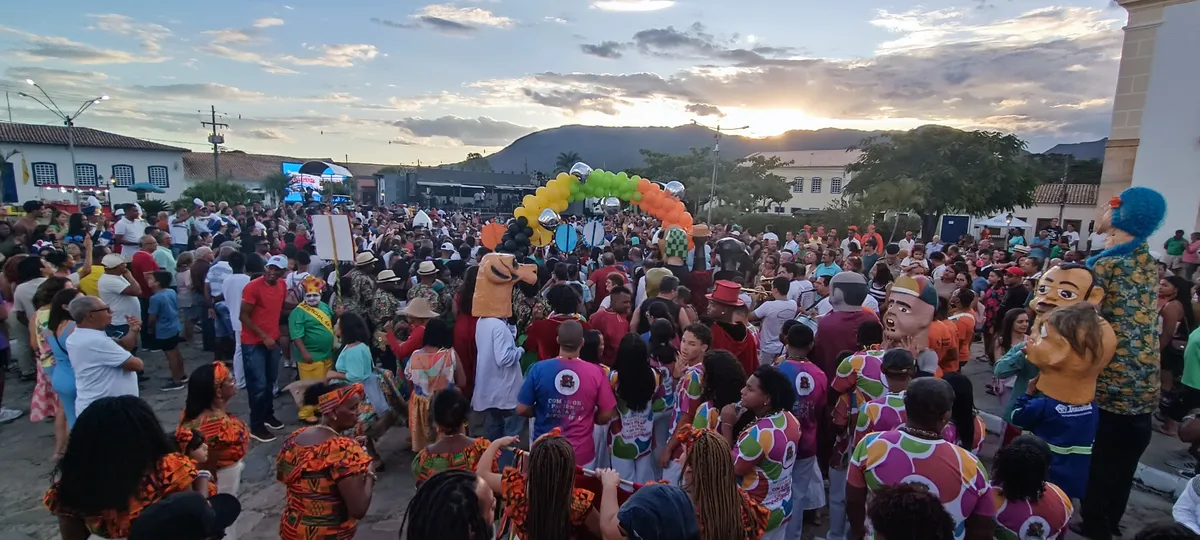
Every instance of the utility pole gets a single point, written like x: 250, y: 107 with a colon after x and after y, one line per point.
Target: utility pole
x: 712, y: 191
x: 8, y: 104
x: 216, y: 141
x: 1062, y: 204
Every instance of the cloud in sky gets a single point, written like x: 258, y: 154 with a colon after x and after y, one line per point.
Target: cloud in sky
x: 43, y: 48
x: 632, y: 5
x: 268, y: 134
x: 151, y: 35
x: 450, y: 19
x: 481, y: 131
x: 607, y: 49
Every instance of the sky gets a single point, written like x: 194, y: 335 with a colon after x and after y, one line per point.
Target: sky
x: 402, y: 81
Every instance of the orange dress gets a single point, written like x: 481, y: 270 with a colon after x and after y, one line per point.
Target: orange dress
x: 512, y: 488
x: 226, y: 436
x: 427, y: 463
x: 314, y: 510
x: 174, y: 473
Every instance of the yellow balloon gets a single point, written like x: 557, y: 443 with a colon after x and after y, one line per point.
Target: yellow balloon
x: 560, y: 205
x: 527, y: 201
x: 520, y: 211
x: 541, y: 237
x: 565, y: 177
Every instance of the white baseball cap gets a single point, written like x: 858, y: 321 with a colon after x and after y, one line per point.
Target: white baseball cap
x: 278, y: 261
x: 112, y: 260
x: 447, y: 247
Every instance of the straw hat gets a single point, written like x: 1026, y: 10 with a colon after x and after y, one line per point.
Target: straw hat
x: 419, y: 308
x: 364, y: 258
x: 426, y: 268
x: 386, y: 276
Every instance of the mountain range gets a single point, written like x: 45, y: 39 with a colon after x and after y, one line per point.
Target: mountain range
x: 617, y: 148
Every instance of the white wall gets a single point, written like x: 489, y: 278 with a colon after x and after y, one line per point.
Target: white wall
x: 807, y: 200
x: 1168, y: 158
x: 103, y: 159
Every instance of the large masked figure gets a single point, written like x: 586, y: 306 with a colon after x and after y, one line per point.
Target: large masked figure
x: 735, y: 258
x: 1071, y: 346
x: 837, y: 331
x: 1060, y: 286
x: 498, y: 274
x: 1127, y: 390
x: 700, y: 276
x: 909, y: 314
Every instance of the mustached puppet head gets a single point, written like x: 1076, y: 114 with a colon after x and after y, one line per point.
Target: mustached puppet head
x: 910, y: 312
x: 1064, y: 285
x: 1129, y: 219
x: 1070, y: 348
x: 847, y: 291
x: 313, y: 286
x: 498, y: 274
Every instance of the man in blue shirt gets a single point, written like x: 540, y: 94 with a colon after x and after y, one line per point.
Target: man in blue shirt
x: 1040, y: 246
x: 828, y: 267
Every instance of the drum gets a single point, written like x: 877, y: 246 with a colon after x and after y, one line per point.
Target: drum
x: 807, y: 321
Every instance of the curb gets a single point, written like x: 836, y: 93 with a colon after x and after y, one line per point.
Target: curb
x: 1165, y: 484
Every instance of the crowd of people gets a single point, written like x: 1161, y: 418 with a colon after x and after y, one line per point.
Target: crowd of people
x: 720, y: 384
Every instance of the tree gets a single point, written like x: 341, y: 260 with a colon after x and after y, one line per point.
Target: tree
x: 972, y: 172
x: 215, y: 191
x: 277, y: 185
x: 565, y: 161
x: 745, y: 185
x: 476, y: 162
x: 1052, y: 167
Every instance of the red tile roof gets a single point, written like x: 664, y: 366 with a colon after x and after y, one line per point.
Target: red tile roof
x: 84, y: 137
x: 1077, y: 194
x: 255, y: 167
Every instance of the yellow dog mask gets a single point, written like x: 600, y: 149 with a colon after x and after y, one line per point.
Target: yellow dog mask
x: 498, y: 273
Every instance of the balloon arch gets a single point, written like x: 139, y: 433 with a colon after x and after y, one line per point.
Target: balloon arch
x: 660, y: 201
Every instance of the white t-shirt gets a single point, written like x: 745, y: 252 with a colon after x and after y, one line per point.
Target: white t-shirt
x: 97, y: 361
x: 1097, y: 240
x: 906, y: 245
x: 23, y: 297
x: 180, y: 231
x: 1072, y: 239
x: 800, y: 292
x: 110, y: 288
x: 909, y: 261
x: 129, y: 231
x: 773, y: 314
x: 216, y: 276
x: 232, y: 289
x: 824, y: 307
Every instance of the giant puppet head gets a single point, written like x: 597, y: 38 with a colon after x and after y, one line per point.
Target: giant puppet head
x: 735, y: 257
x: 498, y: 273
x: 910, y: 311
x: 1070, y: 347
x: 1129, y: 219
x: 1064, y: 285
x: 847, y: 291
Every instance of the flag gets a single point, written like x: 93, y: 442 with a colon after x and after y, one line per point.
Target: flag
x: 24, y: 170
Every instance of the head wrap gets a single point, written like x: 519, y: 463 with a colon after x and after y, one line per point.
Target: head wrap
x: 221, y: 374
x: 335, y: 398
x: 312, y: 284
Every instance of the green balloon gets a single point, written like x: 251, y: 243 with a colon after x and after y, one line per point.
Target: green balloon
x: 637, y: 196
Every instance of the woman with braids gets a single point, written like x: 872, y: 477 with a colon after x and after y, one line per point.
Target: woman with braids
x: 45, y: 401
x: 541, y: 502
x: 971, y: 435
x: 910, y: 512
x: 1027, y: 505
x: 431, y: 369
x: 329, y: 477
x: 724, y: 509
x: 631, y: 433
x: 723, y: 380
x: 452, y: 450
x: 118, y: 462
x: 452, y: 504
x: 765, y: 448
x: 210, y: 389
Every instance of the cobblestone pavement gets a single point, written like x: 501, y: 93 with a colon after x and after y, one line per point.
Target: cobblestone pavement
x: 26, y: 448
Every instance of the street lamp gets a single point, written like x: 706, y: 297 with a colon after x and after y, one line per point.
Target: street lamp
x: 1008, y: 219
x: 68, y: 120
x: 712, y: 191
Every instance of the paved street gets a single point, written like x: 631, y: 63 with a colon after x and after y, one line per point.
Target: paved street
x: 26, y: 448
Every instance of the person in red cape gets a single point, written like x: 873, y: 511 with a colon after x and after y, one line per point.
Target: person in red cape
x: 464, y: 329
x: 728, y: 335
x: 542, y: 335
x: 701, y: 276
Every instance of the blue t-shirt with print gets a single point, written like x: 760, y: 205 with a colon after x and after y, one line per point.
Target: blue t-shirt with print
x: 165, y: 305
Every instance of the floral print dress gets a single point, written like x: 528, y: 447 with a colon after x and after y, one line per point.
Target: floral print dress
x: 770, y: 443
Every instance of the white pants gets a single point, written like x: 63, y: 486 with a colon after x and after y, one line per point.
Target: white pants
x: 600, y: 441
x: 638, y: 471
x: 839, y: 526
x: 229, y: 480
x: 808, y: 493
x: 239, y: 369
x: 673, y: 474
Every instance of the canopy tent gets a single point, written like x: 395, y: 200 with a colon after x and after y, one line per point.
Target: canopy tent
x: 321, y: 168
x: 1001, y: 221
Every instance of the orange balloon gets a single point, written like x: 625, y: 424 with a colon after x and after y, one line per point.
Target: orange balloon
x: 491, y: 234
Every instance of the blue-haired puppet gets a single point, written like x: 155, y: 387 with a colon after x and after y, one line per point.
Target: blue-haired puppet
x: 1127, y: 391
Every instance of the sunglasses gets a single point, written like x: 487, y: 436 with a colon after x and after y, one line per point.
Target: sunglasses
x: 105, y: 308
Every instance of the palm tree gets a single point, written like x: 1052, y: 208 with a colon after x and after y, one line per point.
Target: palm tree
x: 565, y: 161
x: 277, y: 185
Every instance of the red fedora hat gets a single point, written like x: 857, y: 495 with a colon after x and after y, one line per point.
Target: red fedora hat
x: 726, y: 292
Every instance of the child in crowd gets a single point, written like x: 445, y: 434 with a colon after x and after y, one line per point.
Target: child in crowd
x: 163, y: 324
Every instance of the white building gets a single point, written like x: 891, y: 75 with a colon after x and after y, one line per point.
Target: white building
x: 1155, y: 140
x: 38, y: 164
x: 816, y: 178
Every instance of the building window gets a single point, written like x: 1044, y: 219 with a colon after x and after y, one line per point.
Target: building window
x: 795, y: 209
x: 124, y: 175
x: 158, y: 176
x: 45, y: 174
x: 798, y: 184
x: 816, y: 185
x: 835, y: 185
x: 85, y: 175
x: 778, y: 209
